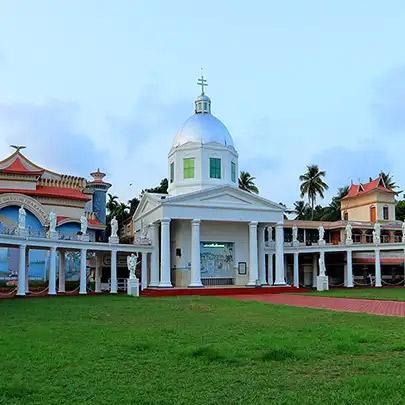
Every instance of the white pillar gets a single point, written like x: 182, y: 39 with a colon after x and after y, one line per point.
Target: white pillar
x: 270, y: 268
x: 27, y: 269
x: 195, y: 276
x: 253, y: 270
x: 262, y: 256
x: 61, y: 271
x: 296, y: 271
x: 314, y: 269
x: 349, y: 270
x: 305, y: 237
x: 280, y: 280
x: 97, y: 276
x: 165, y: 253
x: 21, y: 271
x: 144, y: 271
x: 83, y: 272
x: 154, y: 265
x: 377, y: 268
x: 113, y: 279
x: 52, y: 271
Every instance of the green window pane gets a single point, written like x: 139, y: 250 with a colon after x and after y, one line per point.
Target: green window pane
x: 233, y: 172
x: 188, y: 168
x: 171, y: 172
x: 215, y: 168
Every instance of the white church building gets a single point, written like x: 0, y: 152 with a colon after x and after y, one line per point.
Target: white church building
x: 206, y: 230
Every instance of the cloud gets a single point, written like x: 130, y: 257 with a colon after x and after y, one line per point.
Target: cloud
x: 51, y: 135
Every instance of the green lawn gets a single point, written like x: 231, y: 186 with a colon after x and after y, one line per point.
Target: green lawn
x: 393, y: 294
x: 197, y: 350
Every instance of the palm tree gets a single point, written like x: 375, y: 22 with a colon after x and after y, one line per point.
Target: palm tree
x: 112, y: 204
x: 301, y: 209
x: 312, y: 185
x: 389, y: 182
x: 246, y: 182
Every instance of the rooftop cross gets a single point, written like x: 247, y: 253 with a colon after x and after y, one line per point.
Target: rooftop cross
x: 202, y: 82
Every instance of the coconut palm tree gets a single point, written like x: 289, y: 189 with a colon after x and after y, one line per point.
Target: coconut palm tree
x: 313, y: 185
x: 112, y: 204
x: 246, y: 182
x: 301, y: 209
x: 389, y: 181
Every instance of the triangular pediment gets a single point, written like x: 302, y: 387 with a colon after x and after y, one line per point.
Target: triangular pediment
x: 225, y: 196
x: 148, y: 203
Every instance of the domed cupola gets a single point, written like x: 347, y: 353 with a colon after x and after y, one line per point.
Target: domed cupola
x: 203, y: 154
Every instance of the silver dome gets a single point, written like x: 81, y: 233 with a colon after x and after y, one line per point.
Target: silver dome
x: 203, y: 128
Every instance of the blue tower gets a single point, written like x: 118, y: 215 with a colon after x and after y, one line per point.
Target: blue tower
x: 99, y: 189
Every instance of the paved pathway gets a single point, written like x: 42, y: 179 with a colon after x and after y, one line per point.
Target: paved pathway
x: 375, y: 307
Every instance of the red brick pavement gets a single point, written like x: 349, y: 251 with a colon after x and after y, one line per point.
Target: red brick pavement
x: 375, y: 307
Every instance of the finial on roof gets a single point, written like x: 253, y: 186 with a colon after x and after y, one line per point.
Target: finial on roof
x: 202, y: 82
x: 18, y: 147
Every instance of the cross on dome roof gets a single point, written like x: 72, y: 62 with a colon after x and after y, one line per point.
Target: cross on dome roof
x: 202, y: 82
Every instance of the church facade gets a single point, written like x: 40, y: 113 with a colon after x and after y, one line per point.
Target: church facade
x: 206, y: 230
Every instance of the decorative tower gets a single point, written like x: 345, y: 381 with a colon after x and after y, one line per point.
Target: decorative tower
x: 99, y: 190
x: 202, y: 155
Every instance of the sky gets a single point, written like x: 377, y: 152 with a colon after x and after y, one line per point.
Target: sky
x: 107, y: 84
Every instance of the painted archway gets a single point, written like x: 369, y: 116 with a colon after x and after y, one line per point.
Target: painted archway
x: 29, y: 203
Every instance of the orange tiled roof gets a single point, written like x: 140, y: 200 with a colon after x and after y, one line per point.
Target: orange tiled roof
x: 17, y: 167
x: 356, y: 190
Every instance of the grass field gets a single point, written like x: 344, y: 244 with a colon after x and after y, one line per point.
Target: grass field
x: 195, y: 350
x: 393, y: 294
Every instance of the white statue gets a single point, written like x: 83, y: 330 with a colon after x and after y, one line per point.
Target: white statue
x: 83, y: 224
x: 270, y: 233
x: 21, y: 218
x: 322, y: 268
x: 114, y: 227
x: 52, y: 222
x: 131, y: 263
x: 377, y: 233
x: 295, y: 234
x: 321, y: 231
x: 349, y: 237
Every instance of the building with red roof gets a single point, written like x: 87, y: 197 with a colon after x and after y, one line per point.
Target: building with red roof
x: 41, y: 191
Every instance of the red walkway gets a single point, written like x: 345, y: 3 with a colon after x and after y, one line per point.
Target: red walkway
x: 375, y: 307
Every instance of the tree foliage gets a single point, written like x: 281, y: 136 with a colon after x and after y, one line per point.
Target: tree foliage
x: 247, y: 182
x: 312, y: 185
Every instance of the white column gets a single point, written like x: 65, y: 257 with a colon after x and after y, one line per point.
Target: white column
x: 52, y: 271
x: 97, y: 276
x: 21, y: 271
x: 61, y: 271
x: 195, y: 276
x: 83, y: 272
x: 154, y: 265
x: 165, y: 253
x: 280, y: 280
x: 113, y: 279
x: 262, y: 256
x: 27, y: 269
x: 377, y: 268
x: 314, y: 269
x: 270, y: 268
x: 144, y: 271
x: 305, y: 237
x: 296, y: 271
x: 349, y: 270
x: 253, y: 270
